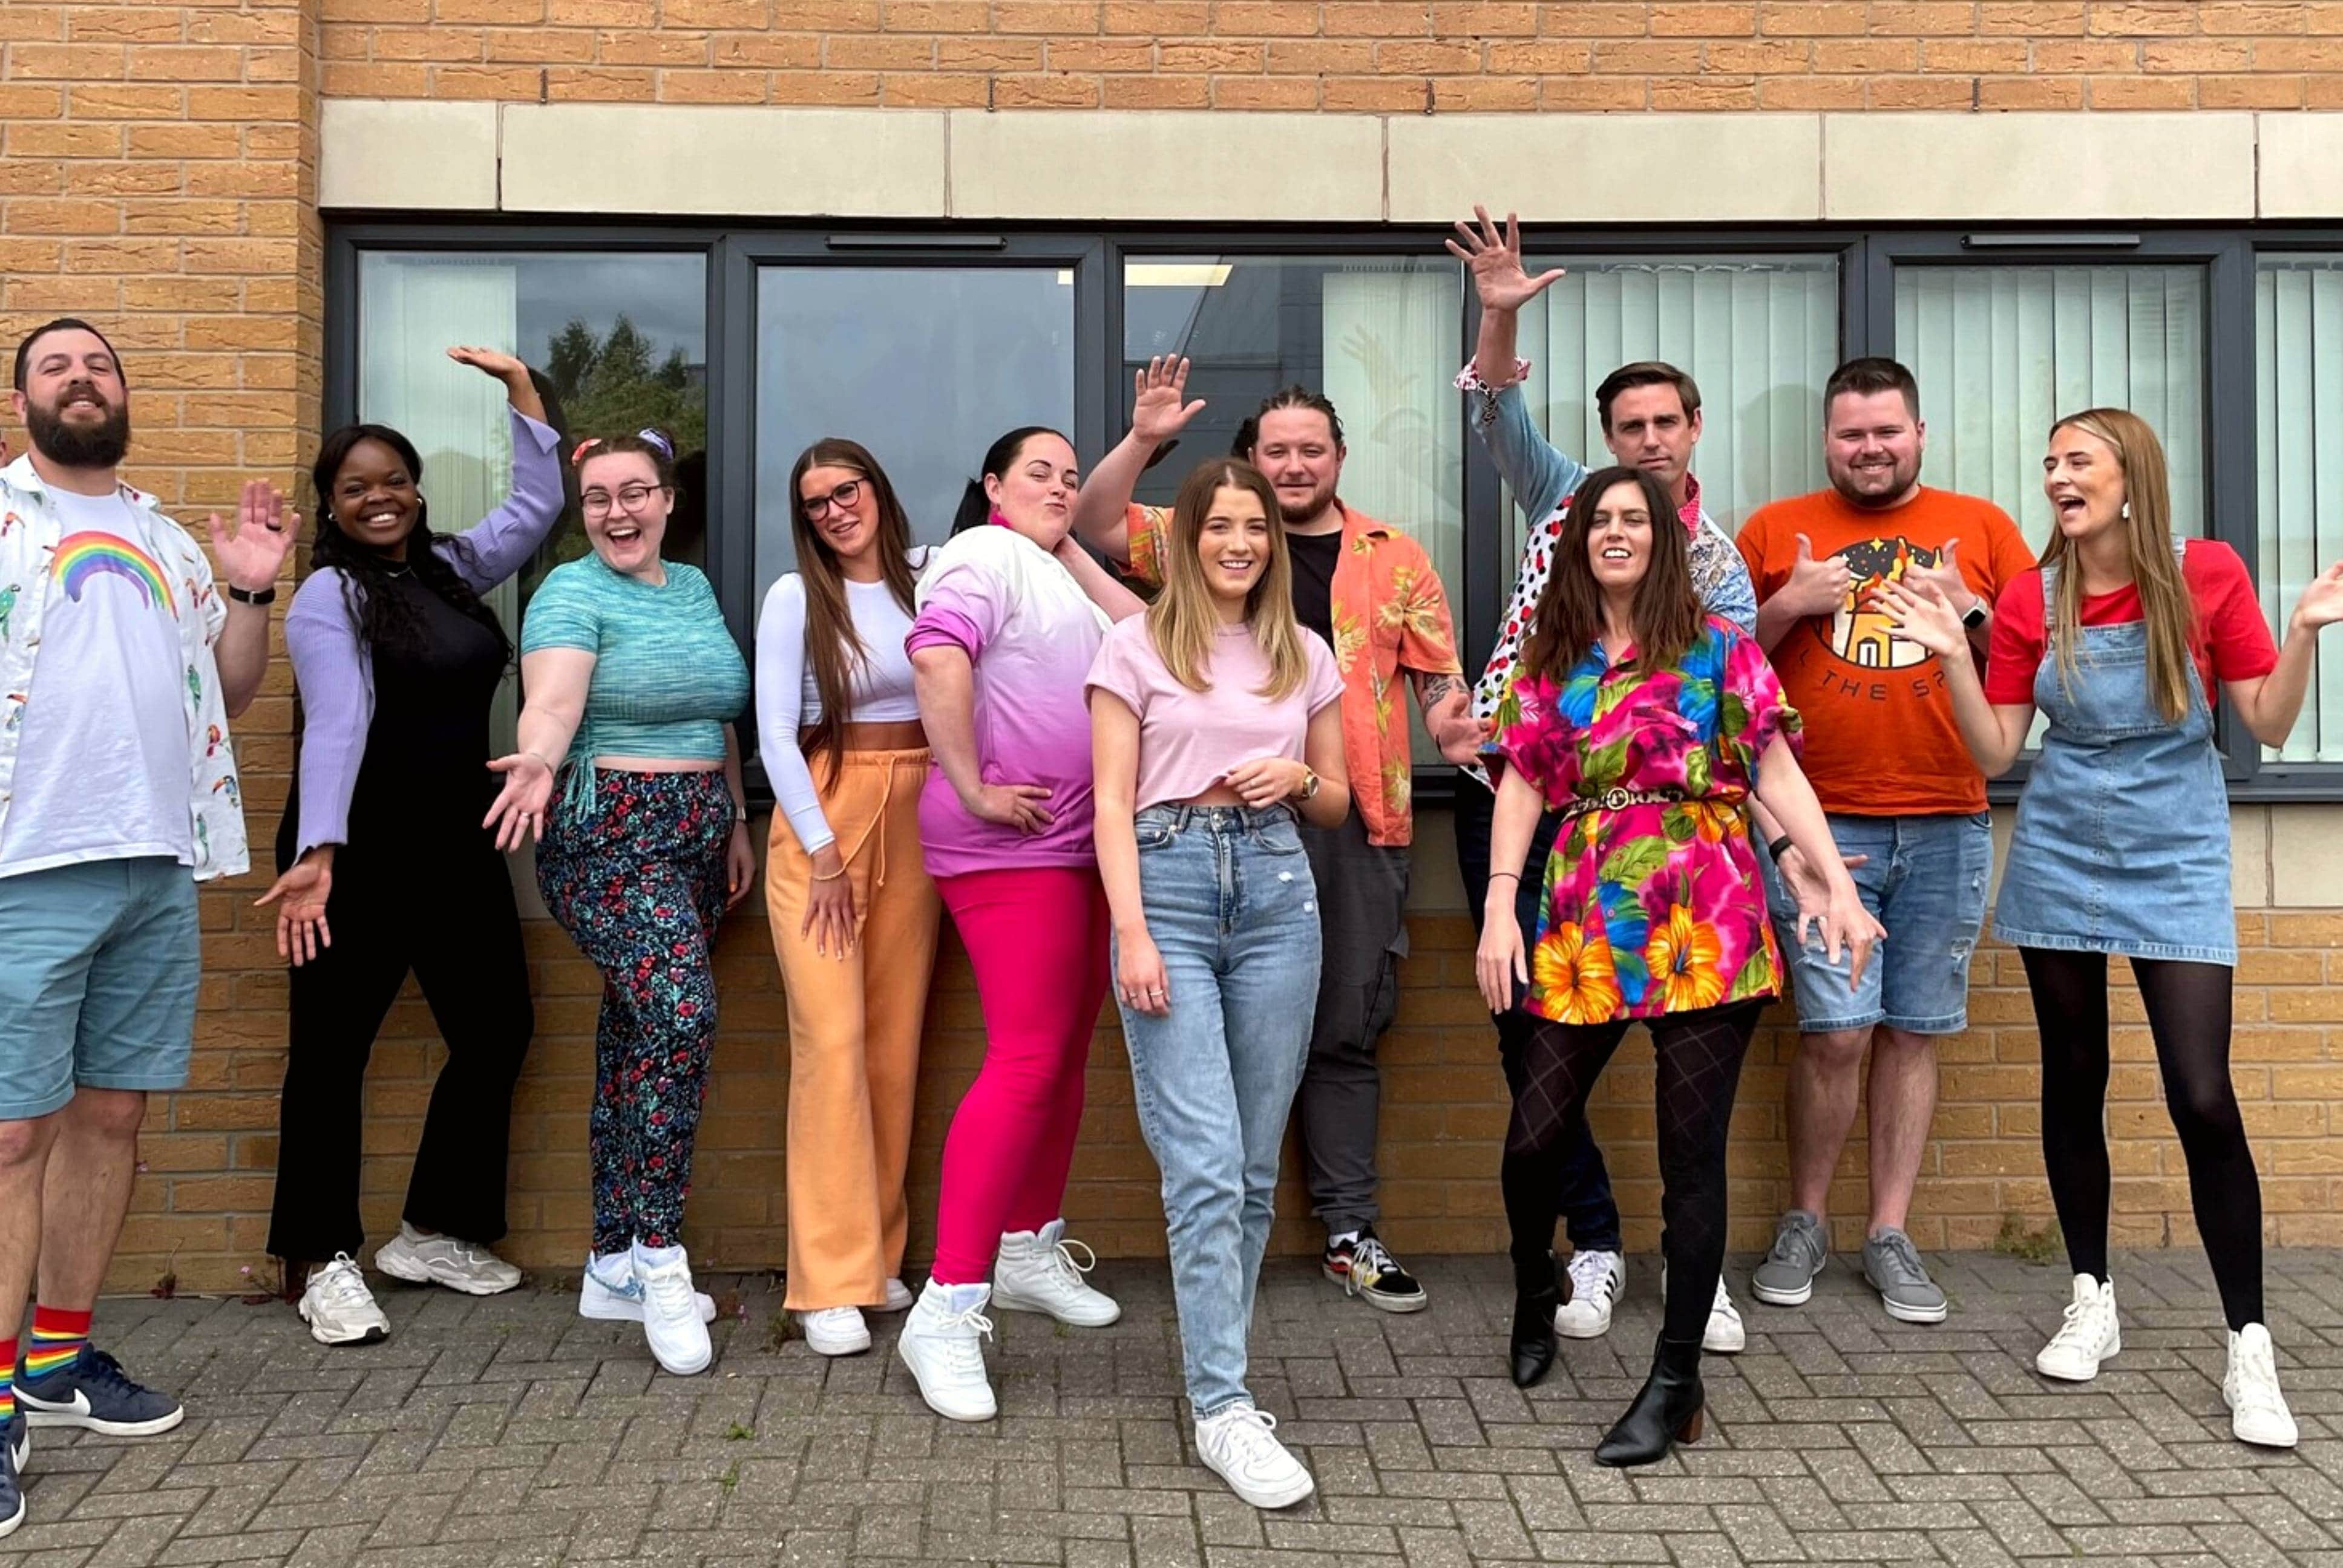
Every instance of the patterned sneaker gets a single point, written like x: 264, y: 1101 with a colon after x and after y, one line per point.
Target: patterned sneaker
x: 16, y: 1444
x: 1786, y: 1277
x: 340, y: 1309
x: 1596, y: 1280
x: 447, y: 1260
x: 2258, y: 1412
x: 612, y: 1295
x: 1364, y: 1268
x: 1893, y: 1266
x: 92, y: 1391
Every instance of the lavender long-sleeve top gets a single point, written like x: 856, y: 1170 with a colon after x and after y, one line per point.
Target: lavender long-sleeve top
x: 335, y: 670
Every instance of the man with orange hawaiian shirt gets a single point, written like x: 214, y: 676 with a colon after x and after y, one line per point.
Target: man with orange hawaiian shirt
x: 1370, y: 591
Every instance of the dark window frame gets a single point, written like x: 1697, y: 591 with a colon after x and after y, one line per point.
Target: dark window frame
x: 1867, y: 257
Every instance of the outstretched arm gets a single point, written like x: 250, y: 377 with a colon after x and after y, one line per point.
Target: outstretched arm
x: 1539, y: 474
x: 1160, y: 411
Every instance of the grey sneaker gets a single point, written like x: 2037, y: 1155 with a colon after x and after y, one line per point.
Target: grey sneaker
x: 1893, y: 1266
x: 1786, y: 1277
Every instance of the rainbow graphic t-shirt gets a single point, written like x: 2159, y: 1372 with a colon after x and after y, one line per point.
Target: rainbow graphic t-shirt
x: 83, y: 556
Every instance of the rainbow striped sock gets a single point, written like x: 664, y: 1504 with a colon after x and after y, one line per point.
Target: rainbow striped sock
x: 57, y: 1338
x: 7, y: 1381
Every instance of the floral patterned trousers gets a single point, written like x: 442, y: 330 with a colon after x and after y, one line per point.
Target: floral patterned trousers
x: 638, y: 880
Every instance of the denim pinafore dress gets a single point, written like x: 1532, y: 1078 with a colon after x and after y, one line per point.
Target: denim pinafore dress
x: 2122, y: 843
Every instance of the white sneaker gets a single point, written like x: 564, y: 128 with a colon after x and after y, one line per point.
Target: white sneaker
x: 611, y: 1293
x: 1036, y: 1272
x: 939, y: 1343
x: 671, y: 1320
x: 899, y: 1297
x: 2258, y: 1412
x: 1240, y: 1445
x: 2090, y: 1335
x: 1596, y: 1280
x: 446, y: 1261
x: 340, y: 1309
x: 835, y: 1331
x: 1723, y: 1334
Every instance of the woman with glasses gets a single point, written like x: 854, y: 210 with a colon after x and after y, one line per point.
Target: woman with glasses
x: 854, y: 913
x: 632, y: 683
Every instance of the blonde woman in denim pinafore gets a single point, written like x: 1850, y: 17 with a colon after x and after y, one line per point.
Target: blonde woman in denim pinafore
x: 2122, y: 847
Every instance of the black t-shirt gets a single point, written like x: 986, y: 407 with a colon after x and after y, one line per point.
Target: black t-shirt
x: 1314, y: 556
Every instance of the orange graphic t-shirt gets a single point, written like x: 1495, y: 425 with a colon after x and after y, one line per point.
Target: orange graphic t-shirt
x: 1880, y: 737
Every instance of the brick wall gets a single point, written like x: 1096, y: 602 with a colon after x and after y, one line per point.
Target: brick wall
x: 157, y: 172
x: 1582, y: 54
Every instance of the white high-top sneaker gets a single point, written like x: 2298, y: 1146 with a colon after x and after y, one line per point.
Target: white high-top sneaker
x: 1036, y: 1272
x: 940, y: 1344
x: 1240, y: 1445
x: 2258, y: 1412
x: 340, y: 1309
x: 2090, y: 1335
x: 671, y: 1321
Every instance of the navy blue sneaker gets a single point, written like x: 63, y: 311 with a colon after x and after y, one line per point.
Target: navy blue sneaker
x: 16, y: 1444
x: 92, y: 1391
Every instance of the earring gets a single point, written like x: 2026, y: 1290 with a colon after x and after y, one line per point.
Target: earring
x: 2126, y: 510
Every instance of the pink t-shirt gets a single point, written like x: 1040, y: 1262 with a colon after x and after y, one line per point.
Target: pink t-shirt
x: 1188, y: 741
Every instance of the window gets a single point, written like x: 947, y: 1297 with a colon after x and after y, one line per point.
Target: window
x: 1759, y: 335
x: 2002, y: 351
x: 925, y: 366
x: 2298, y: 467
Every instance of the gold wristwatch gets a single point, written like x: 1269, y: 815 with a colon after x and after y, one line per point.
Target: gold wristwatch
x: 1309, y: 783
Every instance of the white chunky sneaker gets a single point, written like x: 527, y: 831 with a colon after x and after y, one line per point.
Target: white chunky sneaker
x: 2090, y: 1335
x: 678, y: 1334
x: 939, y: 1343
x: 1596, y: 1278
x: 611, y: 1293
x: 2258, y: 1412
x: 1240, y: 1445
x: 899, y: 1297
x: 446, y: 1261
x: 1724, y: 1333
x: 1038, y: 1272
x: 340, y: 1309
x: 835, y: 1331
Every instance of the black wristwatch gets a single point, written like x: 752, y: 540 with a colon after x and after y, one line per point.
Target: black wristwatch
x: 244, y: 596
x: 1976, y: 615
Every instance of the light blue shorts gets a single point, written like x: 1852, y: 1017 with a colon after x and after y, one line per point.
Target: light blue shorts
x: 1925, y: 881
x: 99, y: 983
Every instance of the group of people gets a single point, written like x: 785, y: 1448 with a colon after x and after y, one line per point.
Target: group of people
x: 1703, y: 769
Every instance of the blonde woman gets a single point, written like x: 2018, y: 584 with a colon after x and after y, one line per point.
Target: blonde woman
x: 854, y: 912
x: 1214, y: 724
x: 2122, y: 847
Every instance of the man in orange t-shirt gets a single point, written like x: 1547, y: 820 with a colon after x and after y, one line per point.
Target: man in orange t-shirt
x: 1907, y: 806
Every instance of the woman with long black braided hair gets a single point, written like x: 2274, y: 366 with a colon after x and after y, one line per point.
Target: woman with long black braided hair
x: 383, y: 867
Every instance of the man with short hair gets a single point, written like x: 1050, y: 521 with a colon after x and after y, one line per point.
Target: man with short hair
x: 1650, y: 416
x: 1907, y: 806
x: 1370, y: 592
x: 121, y: 666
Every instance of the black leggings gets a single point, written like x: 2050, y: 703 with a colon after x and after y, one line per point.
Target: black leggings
x: 1699, y: 1060
x: 2189, y: 1015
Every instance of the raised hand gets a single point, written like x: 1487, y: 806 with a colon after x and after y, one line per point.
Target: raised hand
x: 1923, y: 613
x: 1816, y: 587
x: 1946, y: 575
x: 1493, y: 257
x: 253, y: 556
x: 495, y: 361
x: 1159, y: 410
x: 2321, y: 604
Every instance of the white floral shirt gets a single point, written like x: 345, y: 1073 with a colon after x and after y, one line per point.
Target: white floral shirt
x: 30, y: 531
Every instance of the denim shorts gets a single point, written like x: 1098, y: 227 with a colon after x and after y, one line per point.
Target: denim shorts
x: 99, y: 989
x: 1925, y: 881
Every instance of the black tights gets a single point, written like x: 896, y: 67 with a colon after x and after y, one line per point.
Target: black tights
x: 2189, y: 1015
x: 1699, y: 1060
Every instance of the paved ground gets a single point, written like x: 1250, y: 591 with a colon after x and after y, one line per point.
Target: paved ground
x: 508, y: 1432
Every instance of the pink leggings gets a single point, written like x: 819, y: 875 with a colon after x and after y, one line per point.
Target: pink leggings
x: 1037, y: 939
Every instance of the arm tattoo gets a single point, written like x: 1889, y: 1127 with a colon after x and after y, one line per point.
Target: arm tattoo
x: 1431, y: 690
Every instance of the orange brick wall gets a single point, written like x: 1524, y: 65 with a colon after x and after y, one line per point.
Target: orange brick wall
x: 1441, y: 57
x: 158, y: 173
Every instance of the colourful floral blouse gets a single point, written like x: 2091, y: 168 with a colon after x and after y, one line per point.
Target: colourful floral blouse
x: 1651, y: 908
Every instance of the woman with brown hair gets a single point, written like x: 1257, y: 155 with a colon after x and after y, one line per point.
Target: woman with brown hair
x: 2122, y: 846
x: 854, y: 912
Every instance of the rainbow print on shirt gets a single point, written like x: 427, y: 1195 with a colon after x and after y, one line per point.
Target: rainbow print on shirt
x: 83, y: 556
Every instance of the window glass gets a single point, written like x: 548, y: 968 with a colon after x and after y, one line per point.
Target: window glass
x: 2298, y: 467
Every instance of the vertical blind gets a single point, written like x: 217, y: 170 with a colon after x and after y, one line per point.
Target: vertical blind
x: 1758, y: 335
x: 2002, y: 351
x: 2298, y: 355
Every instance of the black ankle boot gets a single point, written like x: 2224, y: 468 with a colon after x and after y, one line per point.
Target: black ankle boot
x: 1669, y: 1411
x: 1536, y: 1293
